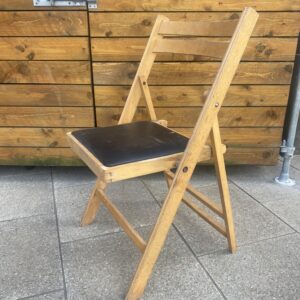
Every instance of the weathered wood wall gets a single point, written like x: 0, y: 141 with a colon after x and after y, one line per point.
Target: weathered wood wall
x: 46, y: 76
x: 254, y: 110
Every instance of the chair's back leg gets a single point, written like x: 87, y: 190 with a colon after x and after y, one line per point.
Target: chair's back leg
x: 223, y: 184
x: 143, y: 71
x: 93, y: 204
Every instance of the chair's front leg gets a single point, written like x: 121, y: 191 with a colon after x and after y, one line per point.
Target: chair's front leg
x: 154, y: 246
x: 93, y: 204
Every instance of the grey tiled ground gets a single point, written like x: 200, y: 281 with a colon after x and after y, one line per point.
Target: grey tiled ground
x: 296, y: 162
x: 45, y: 255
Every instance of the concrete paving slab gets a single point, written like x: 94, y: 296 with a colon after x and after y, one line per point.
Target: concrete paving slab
x: 70, y: 176
x: 24, y: 196
x: 288, y: 209
x: 259, y: 182
x: 103, y: 267
x: 29, y: 260
x: 252, y: 222
x: 57, y: 295
x: 131, y: 197
x: 25, y: 171
x: 264, y: 270
x: 296, y: 162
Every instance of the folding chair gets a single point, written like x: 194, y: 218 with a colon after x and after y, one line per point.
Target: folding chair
x: 131, y: 149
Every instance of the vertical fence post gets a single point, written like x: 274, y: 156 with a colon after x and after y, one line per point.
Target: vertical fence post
x: 290, y: 125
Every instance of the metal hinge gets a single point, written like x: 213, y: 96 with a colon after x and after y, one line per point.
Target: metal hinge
x: 90, y: 3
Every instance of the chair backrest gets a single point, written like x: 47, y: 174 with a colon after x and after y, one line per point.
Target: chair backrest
x: 179, y: 37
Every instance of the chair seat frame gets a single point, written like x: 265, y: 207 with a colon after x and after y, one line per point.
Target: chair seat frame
x: 206, y: 127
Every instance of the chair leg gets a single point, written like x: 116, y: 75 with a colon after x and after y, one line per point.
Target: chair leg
x: 223, y: 185
x: 153, y: 248
x: 93, y: 204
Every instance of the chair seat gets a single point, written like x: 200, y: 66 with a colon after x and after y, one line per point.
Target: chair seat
x: 127, y: 143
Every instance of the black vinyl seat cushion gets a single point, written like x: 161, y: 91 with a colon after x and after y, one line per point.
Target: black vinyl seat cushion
x: 121, y: 144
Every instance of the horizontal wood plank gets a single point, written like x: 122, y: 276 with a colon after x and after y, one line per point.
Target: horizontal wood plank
x: 198, y: 28
x: 43, y: 23
x: 46, y: 116
x: 34, y: 137
x: 56, y: 137
x: 187, y: 116
x: 140, y: 24
x: 131, y: 49
x: 205, y: 48
x: 203, y: 5
x: 45, y: 95
x: 70, y: 72
x: 25, y: 156
x: 65, y: 156
x: 181, y: 73
x: 172, y: 96
x: 245, y: 137
x: 28, y: 5
x: 35, y: 48
x: 251, y: 156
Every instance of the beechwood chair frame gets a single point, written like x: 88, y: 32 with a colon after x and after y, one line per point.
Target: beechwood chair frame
x: 207, y: 126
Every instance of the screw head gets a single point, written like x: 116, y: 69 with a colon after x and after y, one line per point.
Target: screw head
x: 185, y: 169
x: 217, y: 104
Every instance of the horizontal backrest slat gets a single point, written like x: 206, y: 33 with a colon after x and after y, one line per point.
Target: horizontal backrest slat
x: 215, y: 49
x: 201, y: 28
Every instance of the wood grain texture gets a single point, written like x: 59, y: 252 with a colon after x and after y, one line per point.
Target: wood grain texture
x: 56, y: 137
x: 34, y: 137
x: 51, y: 34
x: 45, y: 95
x: 187, y: 116
x: 28, y: 5
x: 181, y: 73
x: 187, y: 5
x: 251, y: 156
x: 35, y: 48
x: 284, y: 24
x: 131, y: 49
x: 245, y: 137
x: 172, y: 96
x: 70, y: 72
x: 25, y: 156
x: 188, y: 162
x: 46, y: 116
x: 42, y: 23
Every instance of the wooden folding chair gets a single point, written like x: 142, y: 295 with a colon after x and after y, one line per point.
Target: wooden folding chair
x: 132, y: 149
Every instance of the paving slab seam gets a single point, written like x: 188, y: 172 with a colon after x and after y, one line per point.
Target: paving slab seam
x: 58, y: 237
x: 21, y: 218
x: 250, y: 243
x: 73, y: 185
x: 190, y: 249
x: 268, y: 209
x: 295, y: 168
x: 41, y: 294
x: 105, y: 234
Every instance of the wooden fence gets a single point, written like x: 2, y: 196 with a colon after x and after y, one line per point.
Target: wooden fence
x: 62, y: 69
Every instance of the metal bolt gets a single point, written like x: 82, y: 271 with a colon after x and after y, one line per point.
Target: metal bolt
x: 185, y: 169
x: 217, y: 104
